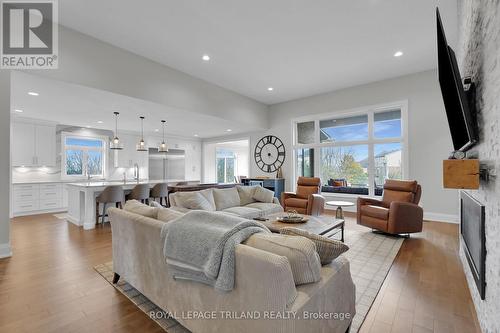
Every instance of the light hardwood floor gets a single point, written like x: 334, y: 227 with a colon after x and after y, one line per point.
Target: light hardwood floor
x: 49, y: 285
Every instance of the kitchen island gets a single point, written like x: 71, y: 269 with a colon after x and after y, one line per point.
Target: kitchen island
x: 82, y: 198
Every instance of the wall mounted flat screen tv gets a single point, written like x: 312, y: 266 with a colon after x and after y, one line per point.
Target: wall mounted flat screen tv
x: 461, y: 120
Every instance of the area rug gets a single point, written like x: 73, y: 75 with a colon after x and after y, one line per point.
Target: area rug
x: 371, y: 256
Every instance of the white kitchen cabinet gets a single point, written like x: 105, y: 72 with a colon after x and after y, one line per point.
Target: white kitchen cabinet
x: 33, y: 144
x: 45, y: 145
x: 36, y: 198
x: 23, y: 144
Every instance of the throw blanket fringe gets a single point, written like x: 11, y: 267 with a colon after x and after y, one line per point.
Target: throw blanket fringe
x: 200, y: 246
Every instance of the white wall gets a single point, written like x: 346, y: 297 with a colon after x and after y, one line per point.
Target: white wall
x: 5, y: 173
x: 429, y: 137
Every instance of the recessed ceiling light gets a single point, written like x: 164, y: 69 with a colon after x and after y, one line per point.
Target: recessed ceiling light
x: 196, y: 135
x: 205, y: 57
x: 270, y: 89
x: 398, y: 54
x: 157, y: 130
x: 32, y: 93
x: 18, y: 110
x: 99, y: 121
x: 229, y: 130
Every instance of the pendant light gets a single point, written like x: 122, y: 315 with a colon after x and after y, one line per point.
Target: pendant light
x: 163, y: 148
x: 141, y: 146
x: 115, y: 143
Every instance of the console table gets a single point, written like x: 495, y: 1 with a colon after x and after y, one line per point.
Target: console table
x: 274, y: 184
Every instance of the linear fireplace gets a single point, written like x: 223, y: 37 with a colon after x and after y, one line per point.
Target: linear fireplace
x: 474, y: 237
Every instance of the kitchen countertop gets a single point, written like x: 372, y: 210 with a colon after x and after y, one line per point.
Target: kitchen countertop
x: 121, y: 182
x: 42, y: 182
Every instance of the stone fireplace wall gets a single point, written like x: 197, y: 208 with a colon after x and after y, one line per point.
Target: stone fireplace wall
x: 478, y: 53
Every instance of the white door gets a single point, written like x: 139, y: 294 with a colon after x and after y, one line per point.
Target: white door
x: 23, y: 144
x: 45, y: 145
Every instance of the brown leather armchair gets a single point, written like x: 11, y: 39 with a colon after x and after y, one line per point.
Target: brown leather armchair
x: 398, y: 211
x: 307, y: 199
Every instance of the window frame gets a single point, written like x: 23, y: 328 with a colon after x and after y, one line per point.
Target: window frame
x: 235, y: 160
x: 65, y: 148
x: 370, y: 111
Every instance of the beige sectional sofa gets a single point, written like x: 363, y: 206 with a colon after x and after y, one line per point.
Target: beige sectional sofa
x: 239, y: 200
x: 266, y: 287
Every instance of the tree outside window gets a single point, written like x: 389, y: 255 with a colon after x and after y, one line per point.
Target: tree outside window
x: 83, y: 156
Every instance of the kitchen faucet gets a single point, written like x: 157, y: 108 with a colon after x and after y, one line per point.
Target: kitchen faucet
x: 136, y: 172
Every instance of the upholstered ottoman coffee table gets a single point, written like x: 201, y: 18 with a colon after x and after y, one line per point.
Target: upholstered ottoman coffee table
x: 324, y: 225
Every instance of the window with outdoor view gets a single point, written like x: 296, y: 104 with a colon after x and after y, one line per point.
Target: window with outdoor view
x: 83, y: 156
x: 226, y: 164
x: 352, y: 154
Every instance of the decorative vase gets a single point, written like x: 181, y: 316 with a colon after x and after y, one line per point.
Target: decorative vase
x: 279, y: 173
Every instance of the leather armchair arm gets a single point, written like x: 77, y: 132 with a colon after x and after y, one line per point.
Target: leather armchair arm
x: 315, y: 204
x: 365, y: 201
x: 286, y: 195
x: 369, y: 201
x: 405, y: 217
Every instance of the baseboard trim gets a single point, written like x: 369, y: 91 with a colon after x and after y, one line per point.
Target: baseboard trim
x: 438, y: 217
x: 5, y: 250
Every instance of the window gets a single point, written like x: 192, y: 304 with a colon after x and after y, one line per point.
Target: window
x: 305, y: 162
x: 305, y: 132
x: 226, y: 164
x: 83, y: 156
x: 355, y: 152
x: 344, y: 129
x: 346, y: 163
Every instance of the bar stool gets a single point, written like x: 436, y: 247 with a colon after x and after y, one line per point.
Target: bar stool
x: 160, y: 191
x: 111, y: 194
x: 140, y: 192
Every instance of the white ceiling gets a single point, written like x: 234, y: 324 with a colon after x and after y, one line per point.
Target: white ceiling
x: 76, y: 105
x: 299, y: 47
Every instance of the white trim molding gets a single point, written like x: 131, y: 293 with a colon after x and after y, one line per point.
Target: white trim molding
x: 5, y: 250
x: 439, y: 217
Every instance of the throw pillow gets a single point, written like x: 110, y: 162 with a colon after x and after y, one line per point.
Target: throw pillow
x: 168, y: 215
x: 300, y: 252
x: 139, y: 208
x: 263, y: 195
x: 328, y: 249
x: 195, y: 200
x: 226, y: 198
x: 246, y: 194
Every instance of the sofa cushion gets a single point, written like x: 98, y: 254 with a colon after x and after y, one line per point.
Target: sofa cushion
x: 246, y: 194
x: 266, y: 208
x: 296, y: 202
x: 263, y: 194
x: 202, y: 200
x: 246, y: 212
x: 168, y: 214
x: 328, y: 249
x: 299, y: 251
x: 139, y: 208
x: 226, y: 198
x: 375, y: 211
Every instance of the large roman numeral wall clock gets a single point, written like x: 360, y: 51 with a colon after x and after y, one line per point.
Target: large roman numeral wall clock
x: 269, y: 153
